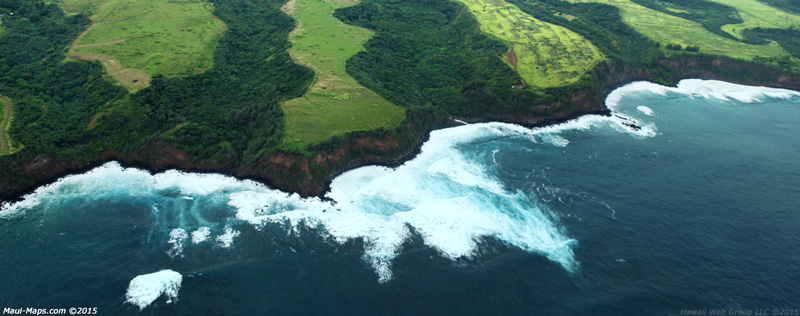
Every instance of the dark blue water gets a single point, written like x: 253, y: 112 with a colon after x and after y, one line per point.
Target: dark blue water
x: 700, y: 209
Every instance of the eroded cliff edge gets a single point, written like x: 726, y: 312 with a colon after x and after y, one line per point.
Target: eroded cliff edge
x: 310, y: 175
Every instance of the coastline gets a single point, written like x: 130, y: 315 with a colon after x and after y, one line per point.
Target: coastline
x: 617, y: 75
x: 392, y: 163
x: 452, y: 122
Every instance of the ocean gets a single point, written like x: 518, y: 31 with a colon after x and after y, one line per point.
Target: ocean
x: 685, y: 201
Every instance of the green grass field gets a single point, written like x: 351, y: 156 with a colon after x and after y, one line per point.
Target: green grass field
x: 756, y: 14
x: 6, y: 146
x: 335, y: 104
x: 547, y: 55
x: 158, y: 37
x: 669, y: 29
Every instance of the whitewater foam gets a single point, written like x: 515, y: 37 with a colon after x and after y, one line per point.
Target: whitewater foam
x: 144, y: 289
x: 111, y: 179
x: 646, y: 110
x: 698, y: 88
x: 176, y: 238
x: 451, y: 199
x: 201, y: 235
x: 226, y: 239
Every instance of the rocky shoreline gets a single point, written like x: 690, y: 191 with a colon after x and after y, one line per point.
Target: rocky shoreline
x: 295, y: 172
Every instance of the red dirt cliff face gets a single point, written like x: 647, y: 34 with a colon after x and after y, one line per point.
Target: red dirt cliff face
x: 310, y: 175
x: 705, y: 67
x: 293, y: 172
x: 156, y: 156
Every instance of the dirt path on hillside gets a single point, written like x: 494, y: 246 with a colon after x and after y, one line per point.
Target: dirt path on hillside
x: 98, y: 44
x: 130, y: 78
x: 288, y: 7
x: 512, y: 59
x: 5, y: 140
x: 511, y: 56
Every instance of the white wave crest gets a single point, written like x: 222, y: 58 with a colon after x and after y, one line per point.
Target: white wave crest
x: 698, y: 88
x: 646, y: 110
x: 176, y: 238
x: 72, y: 185
x: 449, y: 199
x: 201, y: 235
x: 111, y: 179
x: 145, y: 289
x: 226, y: 239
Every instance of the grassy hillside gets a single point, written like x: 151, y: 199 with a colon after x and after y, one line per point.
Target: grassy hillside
x: 6, y: 144
x: 712, y: 16
x: 545, y: 55
x: 756, y: 14
x: 788, y: 38
x: 785, y: 5
x: 136, y: 39
x: 670, y: 29
x: 336, y: 103
x: 357, y: 67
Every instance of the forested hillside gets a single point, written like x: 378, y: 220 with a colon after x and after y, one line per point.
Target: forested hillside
x: 429, y: 57
x: 68, y: 107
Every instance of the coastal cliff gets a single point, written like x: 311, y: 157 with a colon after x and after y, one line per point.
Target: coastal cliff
x: 310, y: 175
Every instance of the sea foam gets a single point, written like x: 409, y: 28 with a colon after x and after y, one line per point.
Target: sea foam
x: 113, y: 180
x: 145, y: 289
x: 226, y: 239
x: 698, y: 88
x: 200, y: 235
x: 176, y: 238
x: 646, y: 110
x: 446, y: 196
x: 450, y: 199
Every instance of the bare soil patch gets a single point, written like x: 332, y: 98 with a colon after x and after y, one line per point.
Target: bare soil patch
x: 511, y: 57
x: 132, y: 79
x: 5, y: 140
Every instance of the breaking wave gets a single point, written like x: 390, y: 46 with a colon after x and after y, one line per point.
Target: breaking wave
x: 145, y: 289
x: 176, y: 238
x: 448, y: 196
x: 201, y: 235
x: 706, y: 89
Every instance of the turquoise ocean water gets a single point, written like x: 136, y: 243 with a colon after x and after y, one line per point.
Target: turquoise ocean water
x: 685, y: 199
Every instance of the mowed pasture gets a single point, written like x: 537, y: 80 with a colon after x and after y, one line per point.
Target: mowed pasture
x: 669, y: 29
x: 6, y: 107
x: 756, y: 14
x: 336, y: 103
x: 547, y: 55
x: 136, y: 39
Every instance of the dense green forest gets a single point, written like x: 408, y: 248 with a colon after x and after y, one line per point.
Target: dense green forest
x: 228, y: 113
x: 54, y: 100
x: 599, y: 23
x: 232, y: 112
x: 788, y: 38
x: 428, y: 56
x: 432, y: 52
